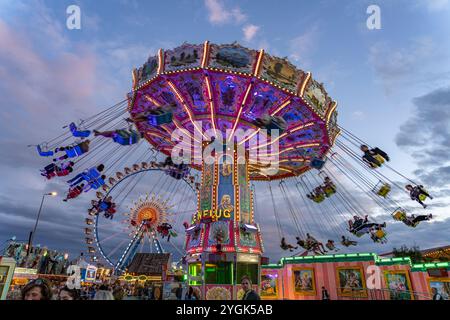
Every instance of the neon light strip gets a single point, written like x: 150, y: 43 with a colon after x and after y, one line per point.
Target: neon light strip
x: 309, y: 124
x: 284, y: 134
x: 154, y: 134
x: 160, y: 61
x: 184, y: 130
x: 260, y: 173
x: 211, y: 105
x: 258, y: 64
x: 293, y: 159
x: 205, y: 53
x: 297, y: 147
x: 183, y: 103
x: 152, y: 100
x: 333, y: 107
x: 302, y: 89
x: 281, y: 107
x: 249, y: 137
x: 270, y: 143
x: 240, y: 111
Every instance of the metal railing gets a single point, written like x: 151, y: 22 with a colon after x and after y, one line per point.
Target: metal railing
x: 380, y: 294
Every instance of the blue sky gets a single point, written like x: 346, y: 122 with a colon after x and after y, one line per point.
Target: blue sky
x: 392, y: 85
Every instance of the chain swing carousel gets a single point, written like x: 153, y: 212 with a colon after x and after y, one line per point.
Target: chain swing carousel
x: 208, y: 92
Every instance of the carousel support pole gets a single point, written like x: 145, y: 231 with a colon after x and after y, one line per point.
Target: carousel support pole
x: 203, y: 276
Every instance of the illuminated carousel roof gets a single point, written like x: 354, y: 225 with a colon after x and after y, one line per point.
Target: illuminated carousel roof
x: 228, y: 87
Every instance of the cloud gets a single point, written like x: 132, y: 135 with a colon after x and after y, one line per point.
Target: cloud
x: 250, y: 31
x: 302, y: 46
x: 426, y: 133
x: 358, y: 115
x: 419, y: 63
x: 436, y: 5
x: 426, y: 136
x: 218, y: 14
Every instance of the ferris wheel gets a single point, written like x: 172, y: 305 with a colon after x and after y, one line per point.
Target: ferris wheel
x: 147, y: 212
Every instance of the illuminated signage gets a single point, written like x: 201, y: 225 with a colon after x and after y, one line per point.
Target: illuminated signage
x: 250, y: 258
x: 212, y: 215
x: 25, y: 271
x: 130, y: 277
x: 90, y: 273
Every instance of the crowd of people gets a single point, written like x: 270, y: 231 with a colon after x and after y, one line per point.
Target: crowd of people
x: 43, y: 289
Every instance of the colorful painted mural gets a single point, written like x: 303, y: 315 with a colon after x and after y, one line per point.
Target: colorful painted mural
x: 399, y: 285
x: 304, y: 282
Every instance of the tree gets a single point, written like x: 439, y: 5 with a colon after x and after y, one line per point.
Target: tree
x: 414, y: 253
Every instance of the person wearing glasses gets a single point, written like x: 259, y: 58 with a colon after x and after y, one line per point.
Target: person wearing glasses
x: 38, y: 289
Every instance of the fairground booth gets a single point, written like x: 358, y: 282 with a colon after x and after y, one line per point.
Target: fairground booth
x: 37, y: 262
x: 7, y: 266
x: 362, y: 276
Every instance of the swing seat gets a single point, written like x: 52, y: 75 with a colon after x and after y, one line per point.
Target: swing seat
x: 384, y: 190
x: 44, y: 153
x: 77, y: 133
x: 380, y: 234
x: 317, y: 163
x: 422, y: 197
x: 104, y: 206
x: 125, y: 138
x: 329, y: 191
x: 399, y: 215
x: 319, y: 198
x: 410, y: 224
x: 379, y: 158
x: 160, y: 118
x: 111, y: 210
x: 358, y: 233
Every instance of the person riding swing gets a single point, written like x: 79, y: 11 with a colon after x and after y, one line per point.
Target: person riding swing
x: 418, y: 194
x: 374, y: 157
x: 286, y: 246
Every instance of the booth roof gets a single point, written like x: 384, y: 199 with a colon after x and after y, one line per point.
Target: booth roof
x: 350, y: 257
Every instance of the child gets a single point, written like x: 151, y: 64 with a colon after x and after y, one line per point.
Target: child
x: 121, y: 136
x: 347, y: 242
x: 74, y: 192
x: 374, y: 157
x: 52, y: 170
x: 286, y: 246
x: 418, y: 194
x: 73, y: 151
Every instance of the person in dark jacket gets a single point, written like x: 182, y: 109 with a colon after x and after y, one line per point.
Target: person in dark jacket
x: 418, y: 194
x: 325, y: 294
x: 374, y: 157
x: 249, y: 293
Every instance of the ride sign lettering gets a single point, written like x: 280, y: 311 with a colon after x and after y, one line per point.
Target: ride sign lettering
x: 211, y: 215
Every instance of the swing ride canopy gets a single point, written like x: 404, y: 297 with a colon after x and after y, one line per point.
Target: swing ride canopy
x: 227, y: 87
x: 224, y: 87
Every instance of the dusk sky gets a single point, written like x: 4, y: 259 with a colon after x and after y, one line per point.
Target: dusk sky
x: 392, y: 87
